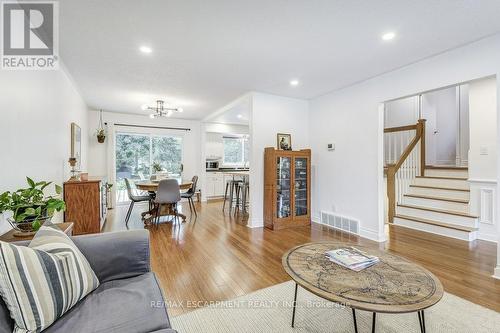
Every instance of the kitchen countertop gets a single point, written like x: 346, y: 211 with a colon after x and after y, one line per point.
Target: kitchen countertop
x: 229, y: 170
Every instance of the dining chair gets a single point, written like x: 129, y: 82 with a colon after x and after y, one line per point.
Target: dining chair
x: 134, y: 197
x: 168, y: 193
x: 189, y: 195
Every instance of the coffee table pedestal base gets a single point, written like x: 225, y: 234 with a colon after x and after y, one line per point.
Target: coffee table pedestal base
x: 421, y: 316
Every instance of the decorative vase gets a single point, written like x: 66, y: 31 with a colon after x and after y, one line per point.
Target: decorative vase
x: 101, y: 138
x: 25, y: 228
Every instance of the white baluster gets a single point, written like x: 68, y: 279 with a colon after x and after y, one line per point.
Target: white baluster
x: 389, y: 146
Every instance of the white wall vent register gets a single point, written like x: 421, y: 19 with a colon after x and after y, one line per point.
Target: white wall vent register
x: 340, y: 222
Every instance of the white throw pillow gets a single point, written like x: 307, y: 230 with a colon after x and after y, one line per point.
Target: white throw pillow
x: 41, y: 282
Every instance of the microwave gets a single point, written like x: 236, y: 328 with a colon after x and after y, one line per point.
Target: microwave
x: 212, y: 165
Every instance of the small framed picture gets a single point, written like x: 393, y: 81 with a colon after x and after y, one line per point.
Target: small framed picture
x: 284, y: 141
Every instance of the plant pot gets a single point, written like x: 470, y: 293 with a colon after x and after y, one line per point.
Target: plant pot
x: 101, y: 138
x: 25, y: 227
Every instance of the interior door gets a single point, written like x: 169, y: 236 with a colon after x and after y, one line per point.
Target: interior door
x: 441, y: 110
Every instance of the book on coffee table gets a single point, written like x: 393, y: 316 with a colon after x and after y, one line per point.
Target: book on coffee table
x: 352, y: 258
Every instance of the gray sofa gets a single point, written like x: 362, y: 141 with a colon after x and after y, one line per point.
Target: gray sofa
x: 129, y: 298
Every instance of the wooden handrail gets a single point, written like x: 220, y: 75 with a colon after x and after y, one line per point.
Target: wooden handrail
x: 393, y: 168
x: 400, y: 128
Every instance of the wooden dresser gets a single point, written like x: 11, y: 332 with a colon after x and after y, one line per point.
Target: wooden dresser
x: 287, y: 188
x: 86, y: 205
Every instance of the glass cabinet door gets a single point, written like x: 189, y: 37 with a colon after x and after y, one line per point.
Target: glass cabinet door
x: 300, y: 192
x: 283, y: 188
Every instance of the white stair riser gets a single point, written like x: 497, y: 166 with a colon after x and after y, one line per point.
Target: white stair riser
x: 437, y: 216
x: 440, y: 204
x: 438, y: 182
x: 463, y: 195
x: 463, y: 235
x: 447, y: 173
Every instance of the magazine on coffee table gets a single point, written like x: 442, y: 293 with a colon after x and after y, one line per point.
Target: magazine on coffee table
x: 352, y: 258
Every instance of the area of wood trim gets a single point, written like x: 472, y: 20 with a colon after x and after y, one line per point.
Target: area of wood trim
x: 437, y: 177
x: 444, y: 211
x: 441, y: 188
x: 437, y: 223
x: 442, y: 167
x: 436, y: 198
x: 400, y: 128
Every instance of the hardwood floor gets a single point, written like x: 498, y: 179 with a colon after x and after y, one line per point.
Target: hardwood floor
x: 216, y: 257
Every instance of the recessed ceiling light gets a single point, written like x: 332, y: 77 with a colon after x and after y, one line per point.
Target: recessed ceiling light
x: 388, y: 35
x: 144, y: 107
x: 239, y: 116
x: 152, y: 116
x: 145, y: 49
x: 294, y: 82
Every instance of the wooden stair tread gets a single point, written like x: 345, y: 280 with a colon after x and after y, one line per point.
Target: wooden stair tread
x: 437, y: 223
x: 421, y: 196
x: 437, y: 210
x: 445, y: 167
x: 441, y: 188
x: 439, y: 177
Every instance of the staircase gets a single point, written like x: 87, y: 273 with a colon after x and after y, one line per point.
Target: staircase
x: 438, y: 202
x: 434, y: 199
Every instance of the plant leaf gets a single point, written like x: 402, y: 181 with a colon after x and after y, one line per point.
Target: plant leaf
x: 58, y: 189
x: 30, y: 182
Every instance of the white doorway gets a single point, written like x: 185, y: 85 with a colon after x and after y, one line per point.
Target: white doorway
x: 447, y: 126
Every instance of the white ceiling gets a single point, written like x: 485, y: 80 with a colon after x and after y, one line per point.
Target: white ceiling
x: 207, y: 53
x: 236, y: 112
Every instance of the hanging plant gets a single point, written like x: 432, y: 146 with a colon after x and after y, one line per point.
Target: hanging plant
x: 101, y: 132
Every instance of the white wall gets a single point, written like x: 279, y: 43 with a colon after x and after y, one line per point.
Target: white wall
x: 271, y: 115
x: 37, y: 108
x: 401, y: 112
x: 483, y: 130
x: 351, y: 176
x: 483, y: 155
x: 98, y: 153
x: 226, y: 128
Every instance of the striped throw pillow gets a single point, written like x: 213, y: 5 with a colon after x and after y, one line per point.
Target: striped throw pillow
x: 41, y: 282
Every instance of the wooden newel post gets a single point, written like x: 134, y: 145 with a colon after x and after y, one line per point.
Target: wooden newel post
x: 391, y: 191
x: 421, y: 133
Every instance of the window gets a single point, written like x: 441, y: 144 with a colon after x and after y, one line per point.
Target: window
x: 236, y: 151
x: 137, y: 156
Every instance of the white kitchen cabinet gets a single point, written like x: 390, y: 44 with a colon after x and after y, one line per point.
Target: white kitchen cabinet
x: 219, y: 186
x: 215, y: 185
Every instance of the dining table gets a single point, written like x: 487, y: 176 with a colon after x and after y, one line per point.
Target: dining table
x: 151, y: 186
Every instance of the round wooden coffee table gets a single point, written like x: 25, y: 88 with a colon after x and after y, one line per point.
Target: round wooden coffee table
x: 394, y: 285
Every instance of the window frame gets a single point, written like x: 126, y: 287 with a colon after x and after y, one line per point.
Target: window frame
x: 243, y: 142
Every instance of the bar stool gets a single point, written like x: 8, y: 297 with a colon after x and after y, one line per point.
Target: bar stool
x: 232, y: 186
x: 244, y: 191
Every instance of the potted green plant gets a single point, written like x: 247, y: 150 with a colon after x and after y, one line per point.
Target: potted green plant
x: 30, y: 207
x: 101, y: 135
x: 157, y: 167
x: 101, y: 132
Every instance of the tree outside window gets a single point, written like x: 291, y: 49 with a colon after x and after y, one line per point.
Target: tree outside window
x: 236, y: 151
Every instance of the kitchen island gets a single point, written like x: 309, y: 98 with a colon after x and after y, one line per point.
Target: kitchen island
x: 216, y: 181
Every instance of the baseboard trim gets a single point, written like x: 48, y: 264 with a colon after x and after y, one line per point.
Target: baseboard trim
x: 255, y: 223
x: 496, y: 273
x: 487, y: 237
x: 372, y: 235
x: 482, y: 181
